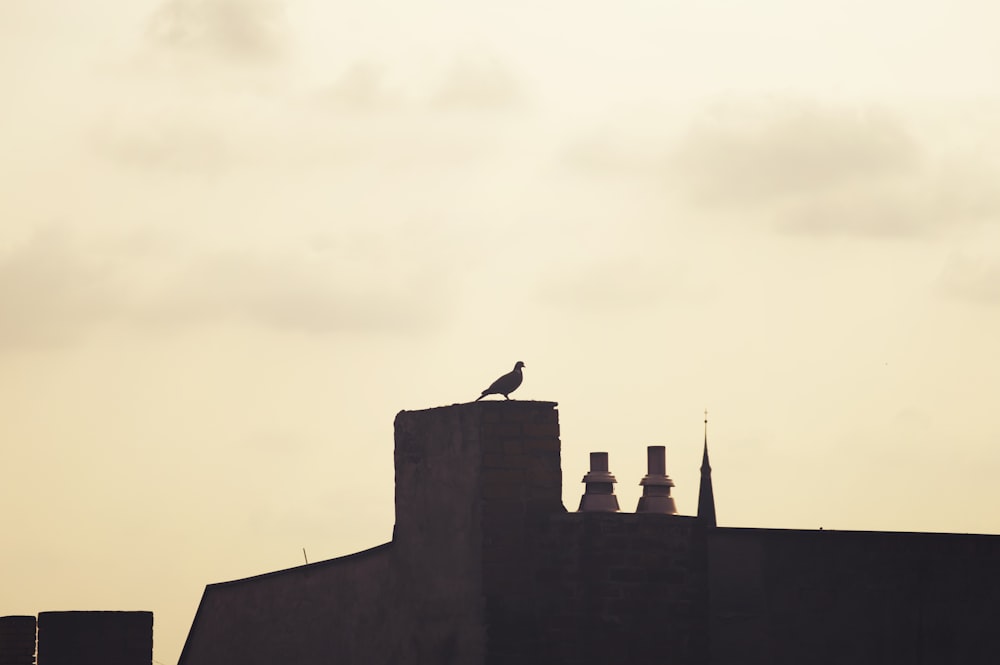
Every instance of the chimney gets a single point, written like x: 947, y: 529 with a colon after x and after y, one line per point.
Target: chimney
x: 599, y: 496
x: 471, y: 471
x: 475, y: 486
x: 656, y: 485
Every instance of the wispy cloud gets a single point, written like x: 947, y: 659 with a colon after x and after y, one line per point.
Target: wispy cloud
x: 52, y: 293
x: 477, y: 84
x: 55, y: 289
x: 926, y: 203
x: 173, y: 145
x: 361, y: 88
x: 465, y: 83
x: 821, y: 169
x: 304, y: 291
x: 750, y: 154
x: 238, y: 31
x: 803, y: 168
x: 973, y: 278
x: 370, y: 114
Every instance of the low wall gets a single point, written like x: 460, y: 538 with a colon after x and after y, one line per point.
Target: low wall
x: 95, y: 638
x: 17, y: 640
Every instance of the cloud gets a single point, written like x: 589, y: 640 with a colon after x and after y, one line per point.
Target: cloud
x: 237, y: 31
x: 361, y: 88
x: 925, y: 203
x: 363, y: 118
x: 752, y: 154
x: 476, y: 84
x: 196, y: 89
x: 304, y: 291
x: 163, y: 144
x: 815, y: 169
x: 54, y: 290
x: 467, y: 83
x: 973, y: 278
x: 191, y: 113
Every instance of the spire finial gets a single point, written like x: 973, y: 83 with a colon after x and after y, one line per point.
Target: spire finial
x: 704, y: 455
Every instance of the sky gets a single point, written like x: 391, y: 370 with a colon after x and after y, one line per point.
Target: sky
x: 238, y: 236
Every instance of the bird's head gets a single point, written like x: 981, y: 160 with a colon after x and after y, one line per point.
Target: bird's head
x: 518, y: 365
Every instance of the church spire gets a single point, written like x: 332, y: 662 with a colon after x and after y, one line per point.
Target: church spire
x: 706, y: 498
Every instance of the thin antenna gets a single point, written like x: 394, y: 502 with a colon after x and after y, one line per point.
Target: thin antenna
x: 304, y: 556
x: 706, y: 424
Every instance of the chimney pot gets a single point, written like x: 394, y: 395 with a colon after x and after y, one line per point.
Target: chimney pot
x: 656, y: 484
x: 656, y: 460
x: 599, y: 495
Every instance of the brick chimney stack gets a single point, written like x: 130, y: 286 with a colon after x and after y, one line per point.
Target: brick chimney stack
x: 474, y: 482
x: 466, y: 466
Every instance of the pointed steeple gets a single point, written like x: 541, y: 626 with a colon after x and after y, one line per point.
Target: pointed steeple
x: 706, y: 498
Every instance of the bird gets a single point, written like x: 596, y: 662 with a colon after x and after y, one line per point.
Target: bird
x: 506, y: 384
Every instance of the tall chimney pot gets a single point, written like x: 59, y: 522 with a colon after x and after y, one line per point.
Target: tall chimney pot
x: 599, y: 495
x: 656, y: 484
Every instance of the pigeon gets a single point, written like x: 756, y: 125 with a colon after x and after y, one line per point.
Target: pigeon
x: 506, y: 384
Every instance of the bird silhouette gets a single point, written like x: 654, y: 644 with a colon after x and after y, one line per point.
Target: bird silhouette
x: 506, y: 384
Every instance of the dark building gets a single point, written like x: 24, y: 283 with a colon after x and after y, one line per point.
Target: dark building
x: 77, y: 638
x: 486, y: 566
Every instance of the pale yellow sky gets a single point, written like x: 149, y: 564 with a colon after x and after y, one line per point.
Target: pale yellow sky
x: 239, y: 235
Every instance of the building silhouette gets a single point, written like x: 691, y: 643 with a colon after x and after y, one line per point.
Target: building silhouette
x: 77, y: 638
x: 486, y: 566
